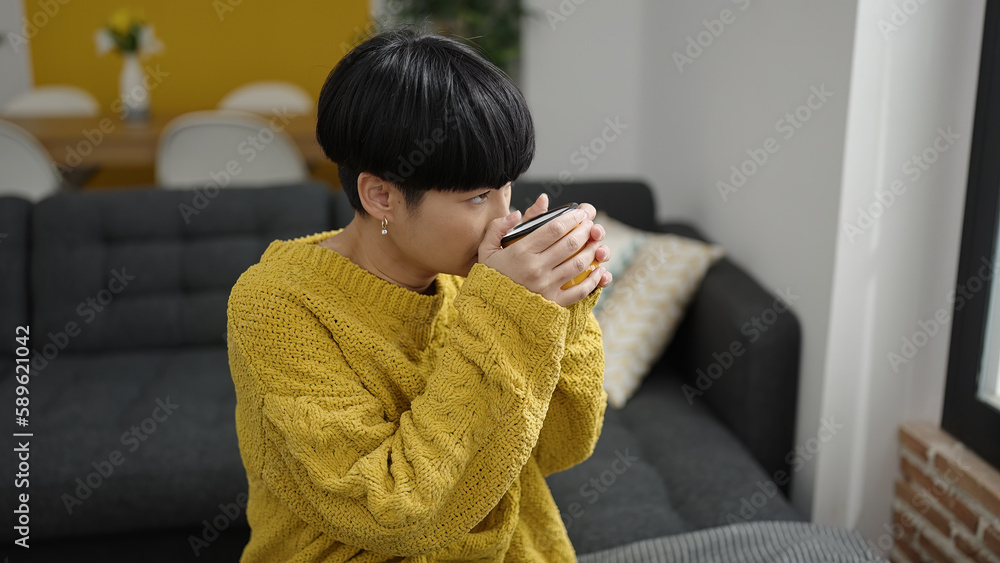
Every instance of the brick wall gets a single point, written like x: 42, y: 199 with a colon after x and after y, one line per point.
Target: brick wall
x: 947, y: 503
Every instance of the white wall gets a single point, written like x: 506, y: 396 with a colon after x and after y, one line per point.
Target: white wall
x: 697, y: 117
x: 908, y: 84
x: 15, y: 54
x: 582, y: 65
x: 706, y: 115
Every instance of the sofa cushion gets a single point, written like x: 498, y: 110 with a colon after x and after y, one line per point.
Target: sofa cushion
x: 15, y: 215
x: 615, y: 496
x: 712, y: 477
x: 755, y: 395
x: 168, y: 415
x: 641, y: 312
x: 681, y: 470
x: 153, y: 268
x: 162, y: 545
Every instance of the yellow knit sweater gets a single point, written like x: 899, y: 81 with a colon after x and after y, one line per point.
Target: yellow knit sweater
x: 378, y: 424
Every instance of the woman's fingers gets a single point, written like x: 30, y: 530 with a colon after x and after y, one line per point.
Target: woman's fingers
x: 574, y: 266
x: 590, y: 284
x: 540, y: 206
x: 554, y: 231
x: 565, y: 247
x: 603, y: 253
x: 597, y: 232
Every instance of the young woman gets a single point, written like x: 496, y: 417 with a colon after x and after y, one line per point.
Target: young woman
x: 404, y: 384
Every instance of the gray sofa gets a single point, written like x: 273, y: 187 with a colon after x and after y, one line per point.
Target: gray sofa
x: 134, y: 454
x: 721, y: 457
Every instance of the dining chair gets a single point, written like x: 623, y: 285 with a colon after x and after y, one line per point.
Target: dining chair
x: 227, y: 148
x: 59, y: 100
x: 26, y: 169
x: 268, y: 96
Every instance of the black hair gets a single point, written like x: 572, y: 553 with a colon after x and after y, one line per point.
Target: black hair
x: 423, y: 112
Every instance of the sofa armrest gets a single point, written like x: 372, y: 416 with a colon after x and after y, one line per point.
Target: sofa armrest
x: 738, y: 350
x: 756, y: 395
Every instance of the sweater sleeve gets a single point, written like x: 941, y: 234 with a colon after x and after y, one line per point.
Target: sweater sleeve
x: 413, y: 485
x: 576, y: 413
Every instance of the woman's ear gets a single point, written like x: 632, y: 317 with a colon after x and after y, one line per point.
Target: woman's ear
x: 376, y: 194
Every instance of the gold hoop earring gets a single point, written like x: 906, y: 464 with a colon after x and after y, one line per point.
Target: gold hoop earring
x: 385, y: 225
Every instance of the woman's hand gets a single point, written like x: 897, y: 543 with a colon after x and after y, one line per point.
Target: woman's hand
x: 597, y: 233
x: 544, y: 260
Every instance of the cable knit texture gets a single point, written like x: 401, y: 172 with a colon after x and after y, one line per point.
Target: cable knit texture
x: 379, y: 424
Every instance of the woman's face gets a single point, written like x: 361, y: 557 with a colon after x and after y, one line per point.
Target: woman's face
x: 443, y: 233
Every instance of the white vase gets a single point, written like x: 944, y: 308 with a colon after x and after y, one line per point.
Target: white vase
x: 132, y: 90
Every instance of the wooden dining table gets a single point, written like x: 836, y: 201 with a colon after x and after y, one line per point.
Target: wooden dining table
x: 88, y: 144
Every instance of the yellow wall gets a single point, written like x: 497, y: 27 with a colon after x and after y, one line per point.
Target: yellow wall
x: 207, y: 52
x: 207, y: 56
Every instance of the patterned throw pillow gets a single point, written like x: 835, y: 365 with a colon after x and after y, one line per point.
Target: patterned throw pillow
x: 624, y: 241
x: 654, y: 280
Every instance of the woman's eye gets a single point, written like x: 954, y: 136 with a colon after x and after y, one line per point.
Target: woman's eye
x: 480, y: 198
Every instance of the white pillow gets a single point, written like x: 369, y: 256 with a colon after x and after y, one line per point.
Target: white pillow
x: 624, y: 241
x: 653, y: 283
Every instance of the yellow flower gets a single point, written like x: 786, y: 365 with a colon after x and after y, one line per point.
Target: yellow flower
x: 121, y: 21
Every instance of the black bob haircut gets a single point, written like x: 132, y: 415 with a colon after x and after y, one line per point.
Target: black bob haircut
x: 423, y: 112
